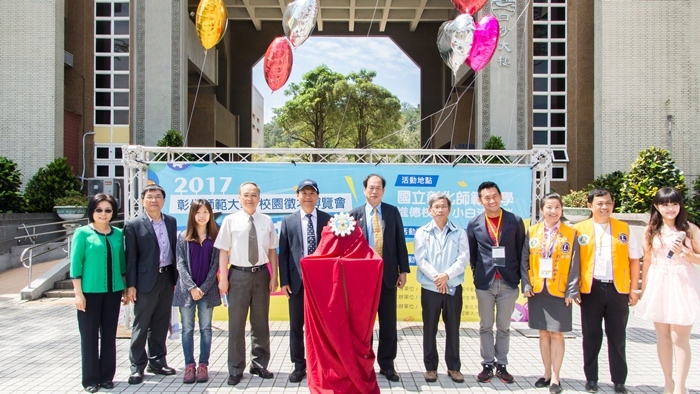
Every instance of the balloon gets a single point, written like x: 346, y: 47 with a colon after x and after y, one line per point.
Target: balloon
x: 455, y: 40
x: 278, y: 63
x: 211, y: 22
x: 299, y: 20
x: 468, y: 6
x: 485, y: 43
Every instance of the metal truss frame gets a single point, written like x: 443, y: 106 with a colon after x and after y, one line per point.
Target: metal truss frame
x: 136, y: 159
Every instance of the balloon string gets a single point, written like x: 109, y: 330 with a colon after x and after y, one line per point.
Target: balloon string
x: 347, y: 99
x: 194, y: 102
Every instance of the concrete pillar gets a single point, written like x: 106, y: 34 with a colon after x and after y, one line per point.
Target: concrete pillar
x: 159, y: 97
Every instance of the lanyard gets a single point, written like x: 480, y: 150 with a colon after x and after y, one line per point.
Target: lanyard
x: 497, y: 229
x: 600, y: 239
x: 548, y: 251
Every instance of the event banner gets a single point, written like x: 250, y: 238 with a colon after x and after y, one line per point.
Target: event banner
x: 408, y: 187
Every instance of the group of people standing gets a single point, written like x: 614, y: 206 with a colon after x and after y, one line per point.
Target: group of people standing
x: 594, y: 264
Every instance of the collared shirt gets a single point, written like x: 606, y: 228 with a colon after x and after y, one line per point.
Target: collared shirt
x: 163, y: 240
x: 369, y: 215
x: 441, y: 251
x: 304, y: 226
x: 548, y: 242
x: 233, y: 237
x: 603, y: 250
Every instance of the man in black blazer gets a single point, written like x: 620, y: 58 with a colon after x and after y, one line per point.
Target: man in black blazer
x: 496, y: 240
x: 151, y: 275
x: 300, y: 234
x: 392, y: 248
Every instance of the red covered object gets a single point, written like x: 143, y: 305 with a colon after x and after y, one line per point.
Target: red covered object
x: 342, y: 282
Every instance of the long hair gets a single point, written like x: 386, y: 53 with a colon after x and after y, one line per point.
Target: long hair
x: 663, y: 196
x: 191, y: 231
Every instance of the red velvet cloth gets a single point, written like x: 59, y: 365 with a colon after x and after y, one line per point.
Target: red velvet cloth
x: 342, y: 283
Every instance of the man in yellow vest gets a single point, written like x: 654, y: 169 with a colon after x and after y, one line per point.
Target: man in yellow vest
x: 609, y: 276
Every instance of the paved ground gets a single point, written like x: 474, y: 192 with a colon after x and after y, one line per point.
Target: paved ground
x: 39, y: 343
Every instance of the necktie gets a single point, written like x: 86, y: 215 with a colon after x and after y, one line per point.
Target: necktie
x: 310, y: 236
x: 377, y: 232
x: 252, y: 243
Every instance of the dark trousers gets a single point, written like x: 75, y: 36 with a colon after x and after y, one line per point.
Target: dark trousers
x: 296, y: 329
x: 152, y: 312
x: 248, y: 291
x: 434, y: 304
x: 604, y: 303
x: 98, y: 336
x: 388, y: 338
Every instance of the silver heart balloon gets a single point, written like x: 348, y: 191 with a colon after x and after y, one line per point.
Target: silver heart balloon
x: 299, y: 20
x: 455, y: 39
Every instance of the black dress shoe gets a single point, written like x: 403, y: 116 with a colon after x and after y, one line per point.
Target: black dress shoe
x: 555, y: 389
x: 234, y: 379
x: 107, y: 385
x: 620, y: 388
x: 262, y: 372
x: 541, y: 383
x: 297, y: 376
x: 164, y: 370
x: 592, y: 386
x: 136, y: 378
x: 92, y: 388
x: 390, y: 374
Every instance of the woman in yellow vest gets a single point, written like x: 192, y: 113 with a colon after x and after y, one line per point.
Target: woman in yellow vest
x: 671, y: 283
x: 551, y: 258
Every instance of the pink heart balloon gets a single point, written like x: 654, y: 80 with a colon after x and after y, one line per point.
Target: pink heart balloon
x: 468, y: 6
x: 484, y: 43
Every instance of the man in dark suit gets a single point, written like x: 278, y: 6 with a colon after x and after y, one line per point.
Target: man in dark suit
x: 384, y: 231
x: 300, y: 234
x: 496, y: 240
x: 150, y: 241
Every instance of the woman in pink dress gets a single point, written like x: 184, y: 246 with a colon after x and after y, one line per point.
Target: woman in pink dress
x: 671, y: 284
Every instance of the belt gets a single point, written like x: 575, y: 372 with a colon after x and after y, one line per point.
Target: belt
x: 164, y: 269
x: 602, y: 280
x: 255, y: 268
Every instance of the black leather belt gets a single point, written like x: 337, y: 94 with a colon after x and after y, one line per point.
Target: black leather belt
x: 602, y: 280
x: 256, y: 268
x: 164, y: 269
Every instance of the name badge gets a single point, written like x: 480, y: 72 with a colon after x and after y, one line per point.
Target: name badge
x: 545, y: 268
x: 600, y: 268
x: 498, y: 256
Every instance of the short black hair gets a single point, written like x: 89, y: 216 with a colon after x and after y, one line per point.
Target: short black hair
x: 98, y: 198
x: 150, y: 188
x: 487, y: 185
x: 599, y: 192
x: 364, y: 183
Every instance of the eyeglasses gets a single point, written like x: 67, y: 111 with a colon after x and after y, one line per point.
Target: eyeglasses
x: 100, y: 210
x: 153, y: 198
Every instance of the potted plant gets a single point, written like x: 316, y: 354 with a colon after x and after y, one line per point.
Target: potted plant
x: 576, y: 206
x: 72, y: 206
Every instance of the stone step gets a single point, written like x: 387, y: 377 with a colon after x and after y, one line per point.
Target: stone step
x: 66, y: 284
x: 60, y: 293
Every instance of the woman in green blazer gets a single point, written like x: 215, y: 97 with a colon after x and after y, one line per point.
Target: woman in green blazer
x: 98, y: 267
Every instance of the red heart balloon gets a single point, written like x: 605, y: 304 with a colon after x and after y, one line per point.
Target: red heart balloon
x: 484, y: 43
x: 469, y: 6
x: 278, y: 63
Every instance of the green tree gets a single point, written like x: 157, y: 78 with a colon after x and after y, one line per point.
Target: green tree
x: 372, y: 112
x: 173, y: 138
x: 274, y: 136
x: 495, y: 142
x: 653, y: 169
x: 312, y: 116
x: 10, y: 196
x: 410, y: 129
x: 49, y: 183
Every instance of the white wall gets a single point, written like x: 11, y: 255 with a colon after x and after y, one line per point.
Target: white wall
x: 31, y: 82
